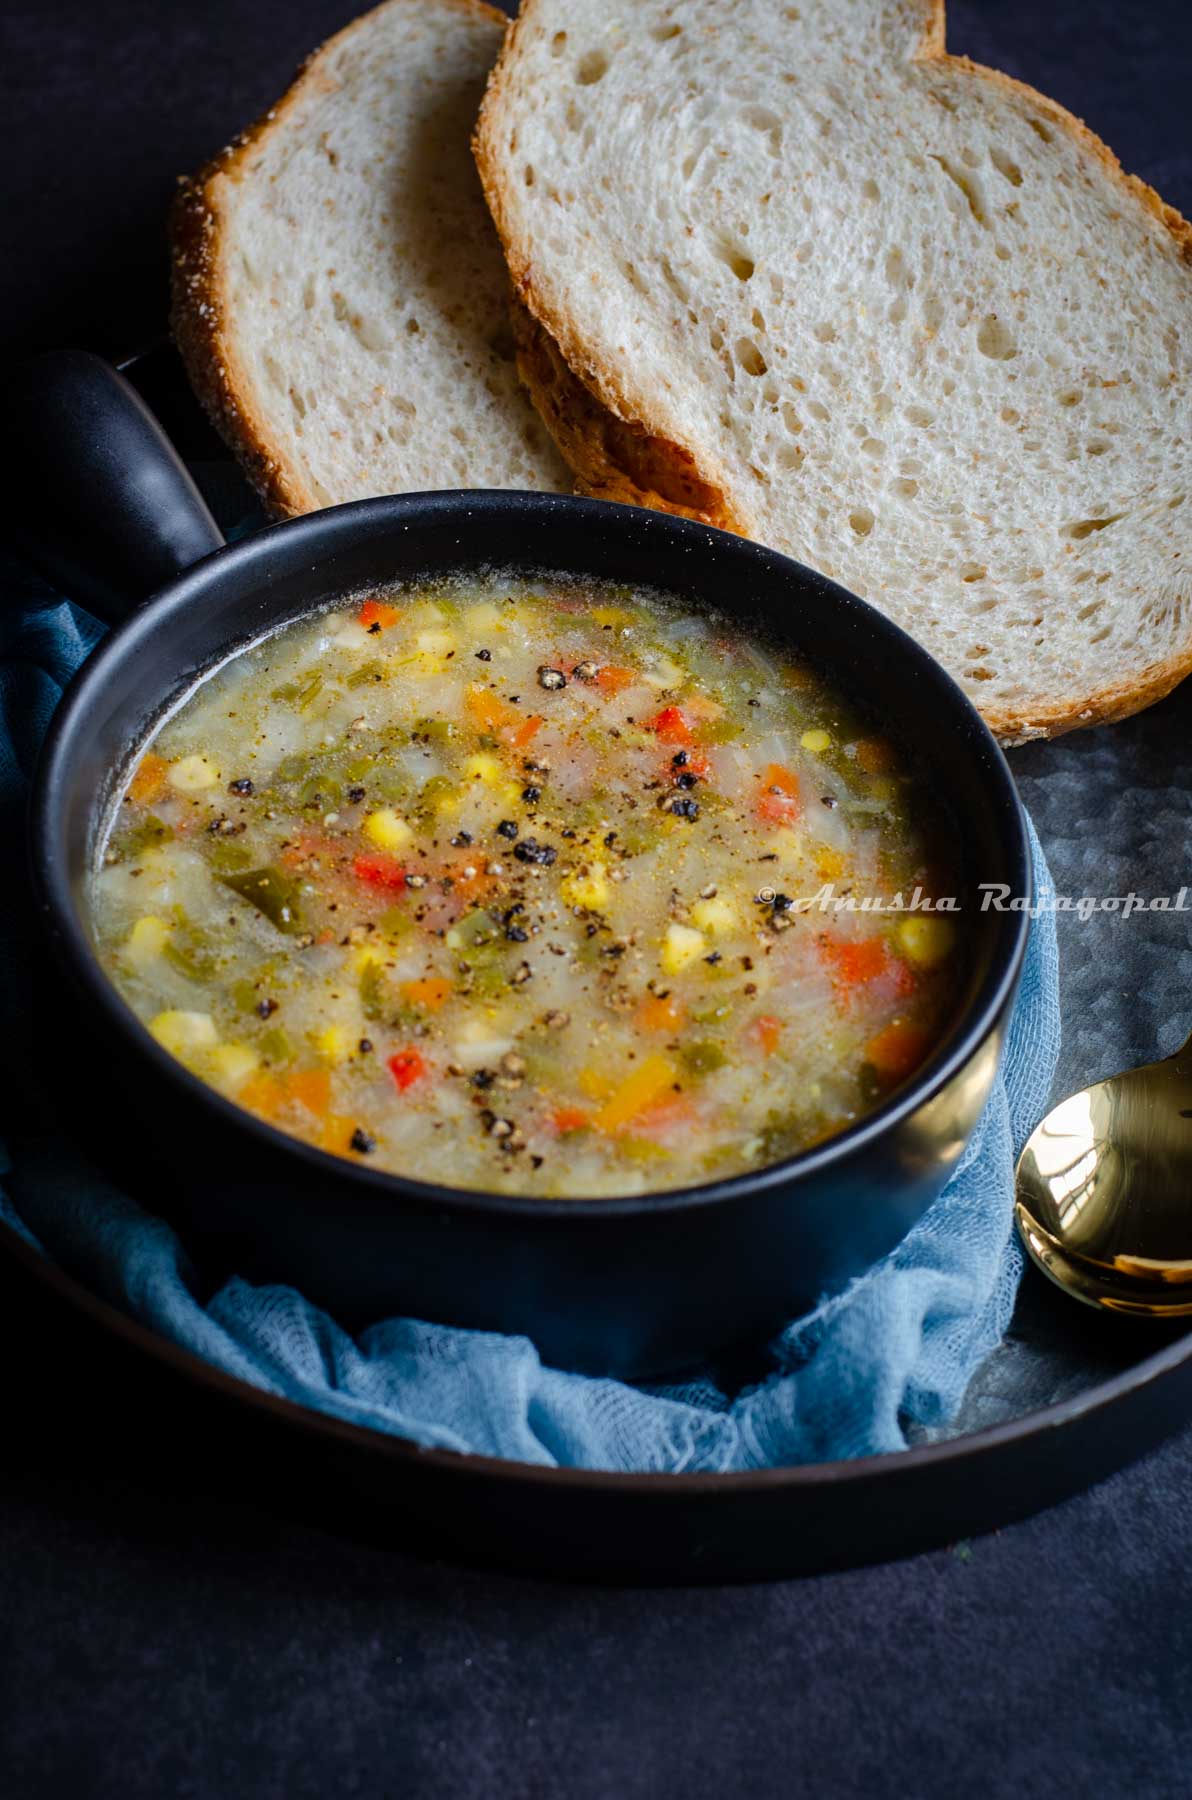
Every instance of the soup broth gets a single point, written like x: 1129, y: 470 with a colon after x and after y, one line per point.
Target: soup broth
x: 532, y: 887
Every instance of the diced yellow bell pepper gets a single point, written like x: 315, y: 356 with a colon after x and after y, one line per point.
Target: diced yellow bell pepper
x: 830, y: 863
x: 595, y: 1086
x: 681, y: 946
x: 648, y: 1081
x: 587, y: 887
x: 385, y: 829
x: 816, y: 741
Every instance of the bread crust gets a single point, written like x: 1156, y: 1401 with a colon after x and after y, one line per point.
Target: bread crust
x: 571, y: 404
x: 198, y: 309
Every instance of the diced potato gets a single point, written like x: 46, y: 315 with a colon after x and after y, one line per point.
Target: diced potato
x: 717, y: 916
x: 483, y: 617
x: 483, y: 767
x: 230, y: 1064
x: 435, y: 644
x: 926, y: 939
x: 665, y: 674
x: 183, y: 1034
x: 334, y: 1043
x: 816, y: 741
x: 353, y: 637
x: 681, y: 946
x: 191, y: 774
x: 385, y: 829
x: 146, y: 941
x: 588, y: 888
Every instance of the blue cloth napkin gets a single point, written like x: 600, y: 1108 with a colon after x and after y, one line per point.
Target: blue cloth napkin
x: 895, y: 1351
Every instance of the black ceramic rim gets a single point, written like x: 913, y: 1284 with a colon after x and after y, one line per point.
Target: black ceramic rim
x: 317, y: 535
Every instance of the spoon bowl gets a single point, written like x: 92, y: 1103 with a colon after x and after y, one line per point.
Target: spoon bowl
x: 1104, y: 1191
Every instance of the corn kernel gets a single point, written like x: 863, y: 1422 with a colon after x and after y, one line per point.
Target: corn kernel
x: 681, y: 946
x: 386, y: 829
x: 146, y: 941
x: 716, y: 916
x: 483, y: 767
x: 334, y: 1043
x: 184, y: 1033
x: 230, y: 1064
x: 590, y: 889
x: 367, y: 956
x: 191, y: 774
x: 816, y: 741
x: 926, y: 939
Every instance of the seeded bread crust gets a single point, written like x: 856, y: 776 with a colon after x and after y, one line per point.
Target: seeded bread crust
x: 602, y: 419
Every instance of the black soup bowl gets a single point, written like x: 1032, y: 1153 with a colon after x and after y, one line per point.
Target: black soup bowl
x: 624, y: 1286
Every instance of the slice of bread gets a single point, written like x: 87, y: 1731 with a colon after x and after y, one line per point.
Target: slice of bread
x: 797, y: 271
x: 340, y: 299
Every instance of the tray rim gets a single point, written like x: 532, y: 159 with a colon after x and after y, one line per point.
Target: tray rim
x: 859, y: 1470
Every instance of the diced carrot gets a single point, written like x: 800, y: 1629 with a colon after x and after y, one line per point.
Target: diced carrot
x: 262, y: 1094
x: 429, y: 993
x: 660, y: 1012
x: 337, y: 1133
x: 380, y: 871
x: 874, y: 755
x: 612, y: 680
x: 375, y: 612
x: 311, y: 1088
x: 854, y: 961
x: 148, y: 779
x: 661, y: 1116
x: 767, y: 1033
x: 898, y: 1049
x: 501, y: 720
x: 647, y: 1083
x: 670, y: 727
x: 569, y: 1118
x: 527, y: 731
x: 406, y: 1067
x: 777, y: 780
x: 326, y: 936
x: 779, y: 803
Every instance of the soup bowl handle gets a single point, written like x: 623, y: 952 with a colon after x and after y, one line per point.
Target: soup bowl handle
x: 101, y: 502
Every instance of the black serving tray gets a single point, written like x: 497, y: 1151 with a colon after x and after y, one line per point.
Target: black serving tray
x: 1069, y: 1397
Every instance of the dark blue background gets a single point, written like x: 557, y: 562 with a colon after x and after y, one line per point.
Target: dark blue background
x: 169, y: 1625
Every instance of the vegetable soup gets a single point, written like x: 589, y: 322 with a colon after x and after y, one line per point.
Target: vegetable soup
x: 533, y: 887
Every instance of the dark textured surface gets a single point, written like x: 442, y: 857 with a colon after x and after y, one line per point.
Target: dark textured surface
x: 170, y: 1625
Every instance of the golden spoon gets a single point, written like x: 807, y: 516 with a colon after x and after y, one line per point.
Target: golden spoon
x: 1104, y: 1191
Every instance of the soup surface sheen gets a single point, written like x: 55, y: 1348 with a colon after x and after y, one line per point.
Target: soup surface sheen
x: 508, y: 885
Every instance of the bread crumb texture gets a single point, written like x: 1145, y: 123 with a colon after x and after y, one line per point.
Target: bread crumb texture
x: 892, y: 313
x: 340, y: 297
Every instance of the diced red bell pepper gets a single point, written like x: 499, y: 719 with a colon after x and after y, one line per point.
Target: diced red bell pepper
x: 375, y: 612
x: 406, y: 1067
x: 670, y: 727
x: 380, y: 872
